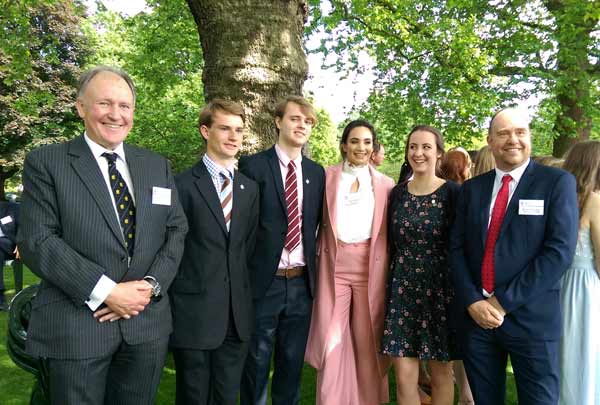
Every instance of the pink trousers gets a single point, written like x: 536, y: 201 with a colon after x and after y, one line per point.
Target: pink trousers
x: 350, y: 373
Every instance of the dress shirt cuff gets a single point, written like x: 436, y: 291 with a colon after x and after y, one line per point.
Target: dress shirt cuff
x: 103, y: 287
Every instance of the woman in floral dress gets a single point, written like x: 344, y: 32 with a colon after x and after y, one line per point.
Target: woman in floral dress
x: 419, y: 293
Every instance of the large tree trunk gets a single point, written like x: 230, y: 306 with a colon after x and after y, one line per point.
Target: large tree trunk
x: 573, y: 35
x: 253, y: 54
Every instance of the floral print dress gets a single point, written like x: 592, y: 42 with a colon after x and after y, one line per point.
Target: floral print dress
x: 419, y: 293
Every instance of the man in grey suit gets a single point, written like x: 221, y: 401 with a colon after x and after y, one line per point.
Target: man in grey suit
x: 102, y: 226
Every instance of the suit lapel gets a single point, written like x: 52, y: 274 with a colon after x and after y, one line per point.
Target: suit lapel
x: 141, y: 191
x: 380, y: 199
x: 513, y: 205
x: 276, y: 171
x: 487, y: 186
x: 206, y: 188
x: 87, y: 169
x: 240, y: 202
x: 332, y: 180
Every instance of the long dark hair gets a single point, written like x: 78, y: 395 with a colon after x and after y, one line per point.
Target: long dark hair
x: 356, y: 124
x: 406, y: 171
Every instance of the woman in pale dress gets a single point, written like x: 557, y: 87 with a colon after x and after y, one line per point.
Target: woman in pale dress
x: 580, y: 290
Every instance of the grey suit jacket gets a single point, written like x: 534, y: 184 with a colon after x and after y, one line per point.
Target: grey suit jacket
x: 70, y: 236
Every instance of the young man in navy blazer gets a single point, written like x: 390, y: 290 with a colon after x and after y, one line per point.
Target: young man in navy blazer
x: 211, y: 298
x: 283, y: 266
x: 508, y: 299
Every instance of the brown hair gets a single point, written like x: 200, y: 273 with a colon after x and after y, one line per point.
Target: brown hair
x: 456, y: 166
x: 305, y: 106
x: 484, y: 161
x: 583, y: 161
x: 218, y: 104
x: 406, y: 171
x: 549, y: 161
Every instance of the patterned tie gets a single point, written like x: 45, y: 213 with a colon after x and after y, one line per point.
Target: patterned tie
x: 226, y: 196
x: 123, y: 200
x: 292, y: 239
x: 487, y: 267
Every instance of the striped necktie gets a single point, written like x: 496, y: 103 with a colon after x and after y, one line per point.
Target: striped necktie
x: 292, y: 238
x: 226, y: 197
x: 123, y: 201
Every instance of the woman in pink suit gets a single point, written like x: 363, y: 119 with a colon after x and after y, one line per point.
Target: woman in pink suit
x: 347, y: 318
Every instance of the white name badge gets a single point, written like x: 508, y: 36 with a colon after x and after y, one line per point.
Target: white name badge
x: 531, y: 207
x: 6, y: 220
x: 161, y: 196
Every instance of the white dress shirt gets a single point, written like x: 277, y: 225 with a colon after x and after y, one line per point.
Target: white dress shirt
x: 294, y: 258
x: 105, y: 285
x: 516, y: 175
x: 355, y: 210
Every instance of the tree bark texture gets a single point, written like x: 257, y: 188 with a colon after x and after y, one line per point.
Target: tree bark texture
x: 253, y: 54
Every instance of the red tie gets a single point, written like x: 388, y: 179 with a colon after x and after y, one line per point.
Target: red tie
x: 292, y: 239
x: 487, y: 267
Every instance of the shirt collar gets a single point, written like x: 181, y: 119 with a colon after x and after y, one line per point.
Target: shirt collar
x: 516, y: 174
x: 98, y: 150
x: 215, y: 169
x: 361, y: 172
x: 285, y: 159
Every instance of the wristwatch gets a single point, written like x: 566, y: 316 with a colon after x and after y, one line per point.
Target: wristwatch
x: 155, y: 288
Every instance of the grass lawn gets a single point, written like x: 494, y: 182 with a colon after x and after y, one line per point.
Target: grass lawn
x: 15, y: 384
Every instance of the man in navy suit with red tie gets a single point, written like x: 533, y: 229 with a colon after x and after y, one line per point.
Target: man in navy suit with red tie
x: 513, y: 238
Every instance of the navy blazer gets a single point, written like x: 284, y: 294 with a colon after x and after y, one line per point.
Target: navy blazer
x: 532, y: 251
x: 264, y: 169
x: 213, y: 275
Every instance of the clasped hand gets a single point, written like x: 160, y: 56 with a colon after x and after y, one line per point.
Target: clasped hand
x: 488, y: 313
x: 125, y: 300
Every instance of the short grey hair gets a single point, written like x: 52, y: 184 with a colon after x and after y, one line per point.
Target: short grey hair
x: 88, y: 75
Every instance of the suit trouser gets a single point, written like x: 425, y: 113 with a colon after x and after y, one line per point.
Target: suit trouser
x: 282, y: 323
x: 350, y: 373
x: 6, y: 253
x: 2, y: 286
x: 129, y: 376
x: 534, y: 362
x: 211, y: 376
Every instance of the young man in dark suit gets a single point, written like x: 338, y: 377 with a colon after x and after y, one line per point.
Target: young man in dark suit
x: 513, y: 238
x: 9, y: 223
x: 283, y: 266
x: 211, y: 297
x: 102, y: 226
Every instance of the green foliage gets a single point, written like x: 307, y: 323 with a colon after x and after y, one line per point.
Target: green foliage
x: 323, y: 140
x: 160, y: 50
x: 41, y: 50
x: 451, y: 64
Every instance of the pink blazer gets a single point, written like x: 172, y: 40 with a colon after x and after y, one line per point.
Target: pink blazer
x: 326, y: 255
